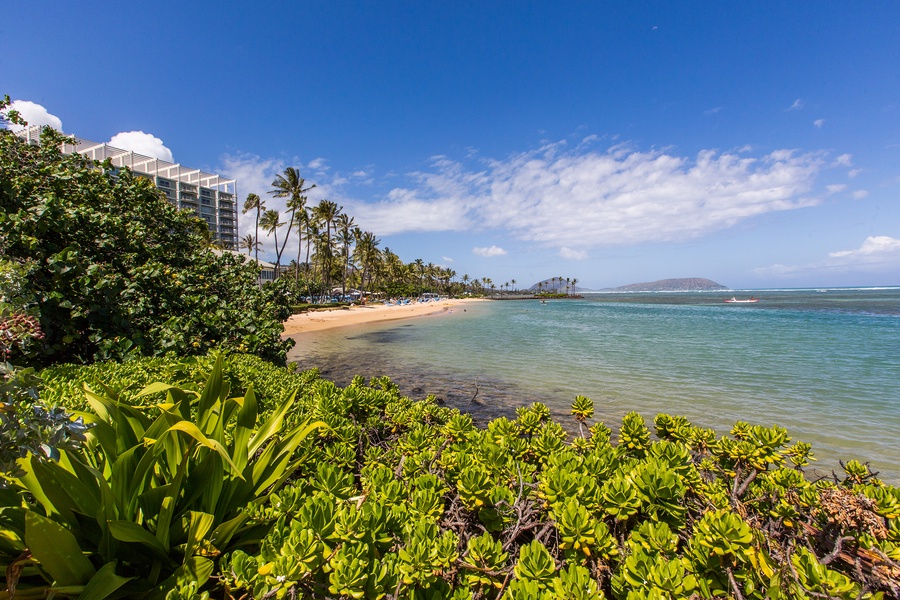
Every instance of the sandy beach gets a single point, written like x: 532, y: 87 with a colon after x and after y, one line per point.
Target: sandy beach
x: 358, y: 315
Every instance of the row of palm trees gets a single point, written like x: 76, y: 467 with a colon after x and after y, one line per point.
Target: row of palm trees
x: 555, y: 285
x: 335, y: 247
x: 331, y: 247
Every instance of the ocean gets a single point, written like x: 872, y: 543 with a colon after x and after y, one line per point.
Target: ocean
x: 823, y: 363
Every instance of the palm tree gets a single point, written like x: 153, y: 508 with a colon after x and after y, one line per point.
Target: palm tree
x: 290, y: 185
x: 367, y: 253
x: 301, y: 220
x: 465, y: 280
x: 574, y: 281
x: 254, y: 203
x: 271, y: 222
x: 345, y: 237
x: 249, y: 242
x: 325, y: 213
x: 513, y: 282
x: 420, y: 269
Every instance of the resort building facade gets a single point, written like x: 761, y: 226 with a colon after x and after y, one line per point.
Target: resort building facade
x: 211, y: 197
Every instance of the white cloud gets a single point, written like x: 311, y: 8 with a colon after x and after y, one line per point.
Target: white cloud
x: 844, y: 160
x: 318, y: 164
x: 142, y: 143
x: 876, y: 254
x: 577, y: 198
x: 712, y: 111
x: 34, y: 114
x: 255, y: 175
x: 819, y: 123
x: 489, y: 252
x: 621, y: 197
x: 446, y: 259
x: 860, y: 194
x: 570, y: 254
x: 797, y: 105
x: 403, y: 211
x: 835, y: 188
x: 875, y: 248
x: 852, y: 173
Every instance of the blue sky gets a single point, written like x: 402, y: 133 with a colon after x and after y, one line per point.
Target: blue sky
x: 756, y: 144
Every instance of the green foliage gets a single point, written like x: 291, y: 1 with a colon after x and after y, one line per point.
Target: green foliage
x: 156, y: 497
x: 403, y: 499
x: 111, y: 269
x: 27, y: 427
x: 634, y: 435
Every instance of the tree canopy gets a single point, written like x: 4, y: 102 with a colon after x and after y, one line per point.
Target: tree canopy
x: 112, y: 269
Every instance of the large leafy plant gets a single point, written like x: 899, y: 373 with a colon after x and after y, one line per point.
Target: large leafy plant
x: 150, y: 503
x: 405, y: 499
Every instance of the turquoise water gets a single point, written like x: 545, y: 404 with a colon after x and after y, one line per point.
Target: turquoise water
x: 825, y: 364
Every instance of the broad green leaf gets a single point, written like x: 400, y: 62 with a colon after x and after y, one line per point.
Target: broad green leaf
x: 128, y: 531
x: 57, y: 550
x: 196, y: 569
x: 222, y: 534
x: 246, y: 421
x: 155, y: 388
x: 169, y: 504
x: 211, y: 396
x: 67, y: 492
x: 193, y: 431
x: 101, y: 432
x: 200, y: 524
x: 31, y: 483
x: 272, y: 426
x: 104, y: 583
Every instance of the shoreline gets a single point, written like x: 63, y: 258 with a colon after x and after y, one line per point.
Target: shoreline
x: 360, y: 315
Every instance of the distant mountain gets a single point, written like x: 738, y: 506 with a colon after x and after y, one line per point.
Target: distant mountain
x: 688, y: 284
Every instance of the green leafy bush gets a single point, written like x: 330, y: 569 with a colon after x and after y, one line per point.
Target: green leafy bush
x: 148, y: 503
x: 112, y: 270
x: 404, y: 499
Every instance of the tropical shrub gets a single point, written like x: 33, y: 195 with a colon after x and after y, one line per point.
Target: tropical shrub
x: 112, y: 270
x: 148, y: 503
x: 408, y: 499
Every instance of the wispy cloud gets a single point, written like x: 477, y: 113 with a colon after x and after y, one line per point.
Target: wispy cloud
x: 34, y: 114
x: 874, y: 248
x: 819, y: 123
x: 254, y: 175
x: 860, y: 194
x: 318, y: 164
x: 574, y: 199
x: 712, y: 111
x: 876, y: 254
x: 797, y: 105
x: 844, y: 160
x: 489, y: 252
x: 571, y: 254
x: 620, y: 197
x: 142, y: 143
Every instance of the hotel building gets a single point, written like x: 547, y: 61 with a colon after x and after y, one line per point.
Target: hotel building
x: 211, y: 197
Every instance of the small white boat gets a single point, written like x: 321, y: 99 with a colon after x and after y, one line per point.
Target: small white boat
x: 734, y: 300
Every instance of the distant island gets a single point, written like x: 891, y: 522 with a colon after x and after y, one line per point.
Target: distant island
x: 687, y: 284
